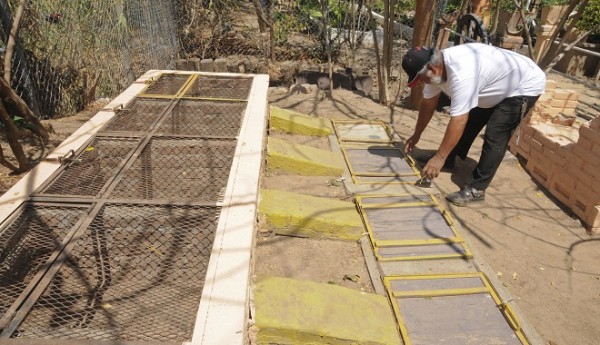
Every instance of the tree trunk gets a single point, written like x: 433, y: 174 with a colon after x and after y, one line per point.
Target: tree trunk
x: 12, y: 136
x: 16, y: 106
x: 421, y: 36
x: 376, y: 46
x: 28, y: 91
x: 12, y: 40
x: 262, y: 20
x: 326, y: 41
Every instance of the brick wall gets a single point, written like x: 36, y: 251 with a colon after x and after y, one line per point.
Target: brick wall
x: 562, y: 153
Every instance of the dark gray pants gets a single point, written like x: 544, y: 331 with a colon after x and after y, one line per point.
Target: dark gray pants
x: 501, y: 121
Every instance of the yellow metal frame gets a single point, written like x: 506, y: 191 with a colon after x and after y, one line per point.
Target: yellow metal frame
x: 188, y: 86
x: 143, y: 94
x: 487, y: 287
x: 355, y: 174
x: 457, y: 239
x: 362, y: 122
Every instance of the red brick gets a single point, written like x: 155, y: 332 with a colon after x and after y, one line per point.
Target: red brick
x: 532, y: 143
x: 563, y: 94
x: 592, y: 170
x: 585, y: 143
x: 592, y: 216
x: 584, y: 192
x: 582, y: 177
x: 554, y: 111
x: 595, y: 123
x: 563, y: 103
x: 579, y: 207
x: 556, y: 158
x: 541, y: 175
x: 550, y: 85
x: 575, y: 162
x: 593, y: 135
x: 587, y: 156
x: 561, y: 186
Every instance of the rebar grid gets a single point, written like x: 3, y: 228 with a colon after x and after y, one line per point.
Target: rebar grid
x: 204, y: 118
x: 220, y: 87
x: 87, y: 174
x: 138, y: 116
x: 136, y: 273
x: 178, y: 169
x: 27, y: 243
x: 167, y: 84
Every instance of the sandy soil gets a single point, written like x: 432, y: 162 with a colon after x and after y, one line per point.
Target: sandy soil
x: 540, y: 252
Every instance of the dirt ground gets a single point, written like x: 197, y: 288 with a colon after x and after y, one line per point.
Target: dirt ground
x: 541, y: 252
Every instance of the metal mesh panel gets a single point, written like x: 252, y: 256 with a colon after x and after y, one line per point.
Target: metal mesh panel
x: 220, y: 87
x: 167, y: 84
x: 90, y: 171
x: 204, y: 118
x: 136, y: 274
x: 138, y: 116
x: 27, y: 243
x: 179, y: 168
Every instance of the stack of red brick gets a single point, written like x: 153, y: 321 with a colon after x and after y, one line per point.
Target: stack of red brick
x: 564, y: 159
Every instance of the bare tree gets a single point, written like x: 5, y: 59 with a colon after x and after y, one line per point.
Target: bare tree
x: 421, y: 36
x: 12, y: 106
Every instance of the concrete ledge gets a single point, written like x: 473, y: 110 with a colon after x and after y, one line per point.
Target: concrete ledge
x: 298, y: 123
x: 309, y: 216
x: 303, y: 159
x: 291, y: 311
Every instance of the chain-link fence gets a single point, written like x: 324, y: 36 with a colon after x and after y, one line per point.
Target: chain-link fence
x: 70, y: 53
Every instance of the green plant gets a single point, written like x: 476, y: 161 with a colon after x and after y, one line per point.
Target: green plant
x: 590, y: 16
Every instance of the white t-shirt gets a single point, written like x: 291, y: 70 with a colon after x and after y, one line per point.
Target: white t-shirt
x: 479, y: 75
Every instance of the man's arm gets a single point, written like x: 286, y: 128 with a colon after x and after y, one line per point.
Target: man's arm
x: 454, y: 130
x: 426, y: 110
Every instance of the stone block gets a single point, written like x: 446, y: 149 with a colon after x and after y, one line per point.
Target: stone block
x: 594, y: 123
x: 290, y: 311
x: 550, y: 85
x: 591, y: 134
x: 557, y: 157
x: 563, y: 103
x: 538, y: 172
x: 220, y: 65
x: 566, y: 95
x: 207, y: 65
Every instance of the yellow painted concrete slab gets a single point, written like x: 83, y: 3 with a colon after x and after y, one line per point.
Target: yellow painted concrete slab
x: 309, y: 216
x: 297, y: 123
x: 303, y: 159
x: 290, y: 311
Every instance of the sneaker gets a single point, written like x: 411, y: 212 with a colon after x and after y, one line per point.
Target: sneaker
x: 467, y: 195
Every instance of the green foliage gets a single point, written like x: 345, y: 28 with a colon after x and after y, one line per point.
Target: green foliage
x: 590, y: 16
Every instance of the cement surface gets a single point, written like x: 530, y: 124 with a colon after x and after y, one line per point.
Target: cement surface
x: 309, y: 216
x: 292, y: 311
x: 297, y: 123
x: 303, y: 159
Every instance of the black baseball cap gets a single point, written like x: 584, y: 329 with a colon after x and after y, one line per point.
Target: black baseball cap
x: 413, y: 62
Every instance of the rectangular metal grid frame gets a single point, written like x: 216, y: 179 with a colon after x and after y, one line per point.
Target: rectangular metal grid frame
x: 203, y: 118
x: 89, y: 172
x: 222, y: 88
x: 375, y: 162
x: 349, y: 131
x: 432, y: 246
x: 136, y: 272
x: 432, y: 288
x: 30, y: 241
x: 178, y: 168
x: 54, y: 307
x: 166, y: 85
x: 139, y: 116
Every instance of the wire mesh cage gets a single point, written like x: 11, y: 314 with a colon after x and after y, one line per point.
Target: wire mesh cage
x: 136, y: 273
x: 26, y: 244
x: 204, y: 118
x: 90, y: 171
x: 138, y: 116
x: 178, y: 168
x: 206, y: 86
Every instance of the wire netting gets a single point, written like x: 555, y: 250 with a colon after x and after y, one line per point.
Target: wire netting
x: 70, y: 53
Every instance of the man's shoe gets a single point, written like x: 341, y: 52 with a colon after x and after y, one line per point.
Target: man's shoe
x: 465, y: 196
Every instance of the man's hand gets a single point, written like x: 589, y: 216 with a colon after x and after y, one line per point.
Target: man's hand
x: 433, y: 167
x: 410, y: 143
